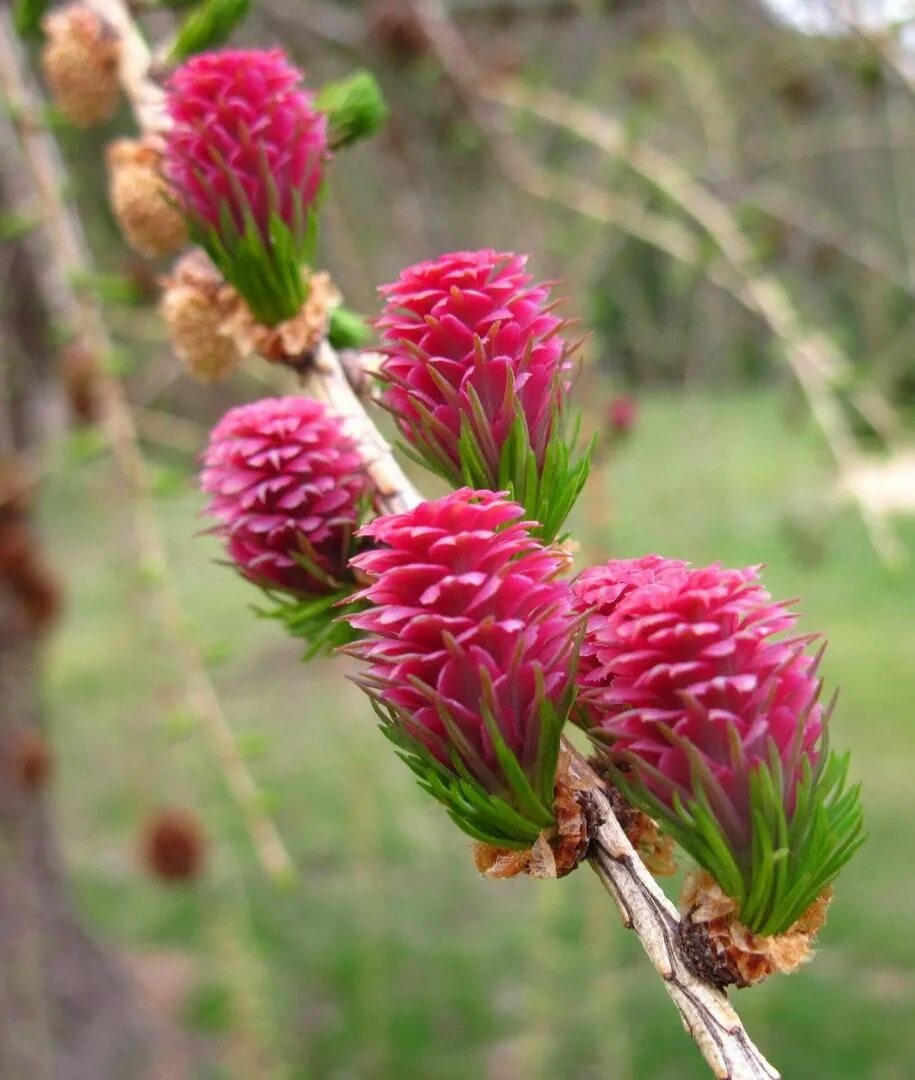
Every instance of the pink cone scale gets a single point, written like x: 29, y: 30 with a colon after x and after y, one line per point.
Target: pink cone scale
x: 469, y: 650
x: 244, y: 134
x: 287, y: 488
x: 698, y: 682
x: 473, y: 348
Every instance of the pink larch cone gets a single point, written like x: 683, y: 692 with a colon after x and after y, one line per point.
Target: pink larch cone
x: 470, y: 339
x: 691, y: 675
x: 287, y: 487
x: 466, y: 617
x: 245, y: 136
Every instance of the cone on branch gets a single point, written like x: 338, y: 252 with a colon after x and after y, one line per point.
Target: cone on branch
x: 288, y: 490
x: 706, y: 701
x: 245, y: 154
x: 173, y: 846
x: 469, y: 653
x: 25, y: 572
x: 81, y: 59
x: 144, y: 208
x: 476, y: 375
x: 199, y: 308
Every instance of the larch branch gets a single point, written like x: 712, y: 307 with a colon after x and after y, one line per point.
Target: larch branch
x: 704, y: 1010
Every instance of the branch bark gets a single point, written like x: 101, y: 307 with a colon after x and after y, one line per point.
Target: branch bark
x: 705, y: 1011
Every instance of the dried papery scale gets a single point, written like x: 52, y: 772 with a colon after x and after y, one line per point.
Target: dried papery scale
x: 294, y: 340
x: 288, y: 491
x: 707, y: 701
x: 477, y: 376
x: 245, y: 154
x: 654, y: 848
x: 173, y: 845
x: 145, y: 210
x: 469, y: 651
x: 200, y: 311
x: 80, y: 59
x: 725, y: 951
x: 556, y: 852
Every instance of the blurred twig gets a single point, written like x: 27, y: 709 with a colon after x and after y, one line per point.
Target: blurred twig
x: 81, y: 319
x: 812, y: 219
x: 816, y: 361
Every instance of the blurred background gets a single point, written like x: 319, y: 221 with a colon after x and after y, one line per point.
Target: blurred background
x: 726, y: 189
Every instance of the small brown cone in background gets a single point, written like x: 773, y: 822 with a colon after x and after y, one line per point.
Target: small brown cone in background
x: 80, y: 375
x: 725, y: 952
x: 395, y: 29
x: 24, y: 571
x: 30, y: 759
x: 173, y: 845
x: 197, y: 306
x: 150, y: 222
x: 81, y: 61
x: 15, y: 489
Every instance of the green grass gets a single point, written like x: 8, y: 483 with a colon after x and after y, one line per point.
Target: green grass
x: 389, y: 957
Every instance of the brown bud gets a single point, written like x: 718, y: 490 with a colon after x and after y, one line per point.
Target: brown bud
x: 81, y: 61
x: 30, y: 759
x: 15, y: 489
x: 25, y: 573
x: 800, y: 93
x: 394, y: 28
x: 80, y: 373
x: 149, y: 220
x: 197, y: 305
x: 173, y: 845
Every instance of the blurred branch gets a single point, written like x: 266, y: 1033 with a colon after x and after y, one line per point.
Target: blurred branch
x: 80, y: 318
x: 816, y: 361
x: 334, y: 24
x: 171, y: 431
x: 147, y: 102
x: 812, y: 219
